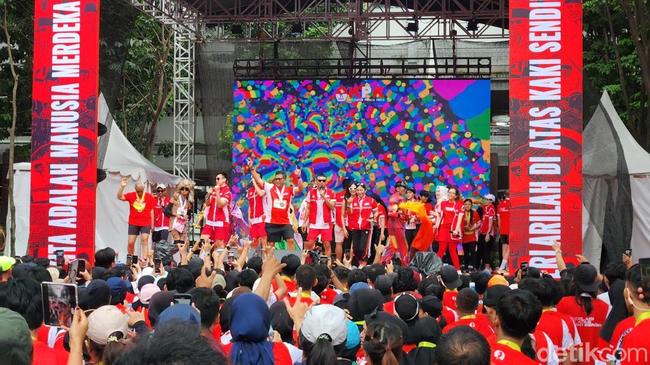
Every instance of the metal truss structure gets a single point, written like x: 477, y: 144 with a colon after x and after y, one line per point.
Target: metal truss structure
x: 441, y: 67
x: 186, y: 23
x: 356, y: 19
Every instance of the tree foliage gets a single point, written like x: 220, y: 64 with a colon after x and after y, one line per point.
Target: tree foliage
x: 617, y: 59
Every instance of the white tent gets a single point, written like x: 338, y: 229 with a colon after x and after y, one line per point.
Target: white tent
x: 616, y: 195
x: 121, y: 159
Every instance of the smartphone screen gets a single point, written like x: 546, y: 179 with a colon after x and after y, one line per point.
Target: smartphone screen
x: 82, y: 266
x: 183, y: 299
x: 347, y: 254
x: 644, y: 264
x: 324, y: 260
x: 156, y: 264
x: 73, y: 271
x: 59, y: 303
x: 129, y: 261
x: 60, y: 259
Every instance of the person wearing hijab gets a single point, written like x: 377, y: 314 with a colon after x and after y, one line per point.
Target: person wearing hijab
x: 427, y: 333
x: 250, y: 322
x: 618, y: 312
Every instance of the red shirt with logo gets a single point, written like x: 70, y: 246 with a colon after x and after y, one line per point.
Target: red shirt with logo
x: 360, y: 212
x: 503, y: 215
x: 559, y: 327
x: 508, y: 355
x: 160, y: 220
x: 588, y: 325
x: 338, y: 211
x: 255, y: 206
x: 140, y: 217
x: 636, y: 344
x: 277, y: 203
x: 215, y: 213
x: 479, y: 323
x: 489, y: 214
x: 450, y: 212
x: 320, y: 215
x: 449, y: 298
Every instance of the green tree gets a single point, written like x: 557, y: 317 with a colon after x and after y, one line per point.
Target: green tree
x: 617, y: 58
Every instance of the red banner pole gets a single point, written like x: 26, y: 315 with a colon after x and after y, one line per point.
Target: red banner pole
x: 64, y: 128
x: 545, y: 131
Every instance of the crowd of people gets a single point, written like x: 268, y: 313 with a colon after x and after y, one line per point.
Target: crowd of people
x: 358, y: 292
x: 349, y: 222
x: 256, y: 308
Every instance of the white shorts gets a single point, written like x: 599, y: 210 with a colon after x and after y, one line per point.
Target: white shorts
x: 338, y: 234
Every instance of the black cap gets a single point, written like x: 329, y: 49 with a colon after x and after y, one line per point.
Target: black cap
x: 384, y: 284
x: 493, y: 294
x: 585, y: 277
x: 407, y: 307
x: 431, y: 305
x: 450, y: 277
x: 95, y: 295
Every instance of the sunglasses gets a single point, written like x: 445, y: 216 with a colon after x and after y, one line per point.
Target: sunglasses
x: 278, y: 178
x: 185, y: 189
x: 321, y: 180
x: 160, y: 190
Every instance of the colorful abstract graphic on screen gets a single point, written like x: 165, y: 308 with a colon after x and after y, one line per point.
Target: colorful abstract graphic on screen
x: 423, y: 132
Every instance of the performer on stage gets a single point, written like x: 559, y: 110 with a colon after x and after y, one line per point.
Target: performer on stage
x: 503, y: 218
x: 278, y: 198
x: 395, y: 225
x: 486, y: 233
x: 362, y: 211
x: 160, y: 219
x: 255, y: 197
x: 350, y: 194
x: 320, y: 204
x: 141, y: 206
x: 471, y: 223
x: 217, y: 212
x: 449, y: 226
x: 410, y: 226
x: 441, y: 196
x: 339, y: 218
x: 183, y: 200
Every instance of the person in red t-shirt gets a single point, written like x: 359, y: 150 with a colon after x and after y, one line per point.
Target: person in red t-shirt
x: 339, y: 222
x: 636, y: 346
x: 466, y: 305
x: 217, y: 212
x: 160, y: 219
x: 255, y: 197
x: 588, y: 312
x: 503, y: 219
x: 141, y: 206
x: 320, y: 205
x: 449, y: 226
x: 486, y: 234
x: 471, y: 222
x: 362, y: 211
x: 517, y: 314
x: 277, y: 204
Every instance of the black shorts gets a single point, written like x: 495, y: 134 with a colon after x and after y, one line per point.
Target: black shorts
x: 161, y: 235
x: 504, y: 239
x: 278, y: 232
x: 136, y: 230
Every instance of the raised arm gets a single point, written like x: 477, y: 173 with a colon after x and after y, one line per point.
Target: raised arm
x: 120, y: 191
x: 256, y: 175
x: 260, y: 191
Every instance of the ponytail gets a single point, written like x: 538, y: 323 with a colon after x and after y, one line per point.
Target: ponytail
x: 320, y: 352
x: 383, y: 343
x: 584, y: 300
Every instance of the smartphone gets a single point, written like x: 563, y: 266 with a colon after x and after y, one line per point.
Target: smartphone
x: 628, y: 252
x: 524, y: 266
x: 347, y: 254
x: 190, y: 245
x: 183, y: 299
x: 324, y: 260
x: 472, y: 285
x: 60, y: 259
x: 156, y: 264
x: 644, y: 264
x: 59, y: 303
x: 73, y: 270
x: 129, y: 261
x: 82, y: 265
x: 397, y: 261
x: 201, y: 242
x: 134, y: 259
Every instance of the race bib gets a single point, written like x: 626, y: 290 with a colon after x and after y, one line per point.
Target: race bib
x: 279, y: 204
x: 139, y: 206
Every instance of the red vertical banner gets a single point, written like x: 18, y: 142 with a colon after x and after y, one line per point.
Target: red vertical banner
x: 64, y: 127
x: 545, y: 130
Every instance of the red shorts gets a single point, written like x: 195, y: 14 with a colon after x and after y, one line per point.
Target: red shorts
x: 258, y: 230
x: 217, y: 233
x: 325, y: 234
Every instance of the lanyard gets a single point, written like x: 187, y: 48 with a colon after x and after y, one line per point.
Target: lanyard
x: 510, y: 344
x: 278, y: 192
x: 471, y: 316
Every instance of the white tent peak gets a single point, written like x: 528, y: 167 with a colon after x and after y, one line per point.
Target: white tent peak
x: 607, y: 131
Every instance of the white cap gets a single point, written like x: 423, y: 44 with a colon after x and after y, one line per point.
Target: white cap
x: 325, y: 321
x: 161, y: 186
x: 490, y: 197
x: 104, y: 321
